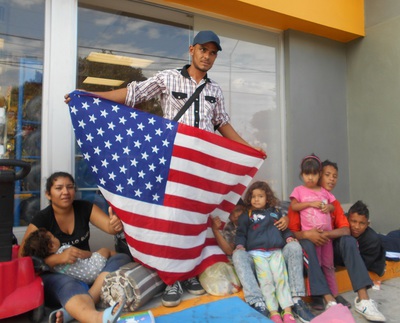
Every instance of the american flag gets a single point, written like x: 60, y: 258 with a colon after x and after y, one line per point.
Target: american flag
x: 163, y: 179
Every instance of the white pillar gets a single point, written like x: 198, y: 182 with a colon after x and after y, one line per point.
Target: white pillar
x: 59, y: 77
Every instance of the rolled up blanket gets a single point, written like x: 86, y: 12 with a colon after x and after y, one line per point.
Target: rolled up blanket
x: 138, y: 283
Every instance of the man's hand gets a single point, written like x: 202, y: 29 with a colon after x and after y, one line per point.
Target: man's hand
x: 317, y: 236
x: 316, y: 204
x: 261, y: 151
x: 282, y: 223
x: 67, y: 98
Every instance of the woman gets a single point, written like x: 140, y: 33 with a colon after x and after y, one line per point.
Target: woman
x: 68, y: 220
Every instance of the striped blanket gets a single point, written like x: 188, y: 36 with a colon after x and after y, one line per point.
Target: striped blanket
x: 138, y: 283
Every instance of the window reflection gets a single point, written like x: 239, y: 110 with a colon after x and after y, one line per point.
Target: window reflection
x: 122, y: 47
x: 21, y: 70
x: 246, y: 69
x: 247, y: 73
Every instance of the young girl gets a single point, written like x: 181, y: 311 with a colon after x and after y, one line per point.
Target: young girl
x: 257, y: 234
x: 314, y: 204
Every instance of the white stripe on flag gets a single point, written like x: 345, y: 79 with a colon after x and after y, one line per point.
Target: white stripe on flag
x: 175, y: 265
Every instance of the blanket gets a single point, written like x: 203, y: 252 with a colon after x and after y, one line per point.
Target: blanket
x: 138, y: 283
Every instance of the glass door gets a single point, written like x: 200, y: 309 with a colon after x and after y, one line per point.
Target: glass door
x: 21, y: 71
x: 118, y: 47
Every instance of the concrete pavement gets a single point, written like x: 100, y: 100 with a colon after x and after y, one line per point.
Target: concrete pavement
x: 388, y: 299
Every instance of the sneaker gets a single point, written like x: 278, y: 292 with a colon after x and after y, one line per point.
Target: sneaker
x: 301, y: 311
x: 172, y: 295
x: 288, y: 318
x: 276, y: 318
x: 368, y: 309
x: 317, y: 303
x: 330, y: 304
x: 193, y: 286
x: 343, y: 301
x: 261, y: 308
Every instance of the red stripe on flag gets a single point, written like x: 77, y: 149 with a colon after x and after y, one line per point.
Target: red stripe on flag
x: 203, y: 183
x: 163, y: 251
x: 158, y: 224
x: 219, y: 141
x: 226, y: 206
x: 211, y: 161
x: 188, y: 204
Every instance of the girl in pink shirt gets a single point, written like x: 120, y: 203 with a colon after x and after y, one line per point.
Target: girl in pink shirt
x: 314, y: 203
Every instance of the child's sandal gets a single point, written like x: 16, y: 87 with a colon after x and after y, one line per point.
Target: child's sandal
x: 288, y: 318
x: 276, y: 318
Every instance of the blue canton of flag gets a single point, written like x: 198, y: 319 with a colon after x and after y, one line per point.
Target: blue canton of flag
x: 133, y: 151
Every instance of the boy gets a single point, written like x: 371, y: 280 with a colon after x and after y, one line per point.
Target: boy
x: 369, y: 243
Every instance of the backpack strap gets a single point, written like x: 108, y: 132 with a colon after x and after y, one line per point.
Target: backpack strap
x: 189, y: 101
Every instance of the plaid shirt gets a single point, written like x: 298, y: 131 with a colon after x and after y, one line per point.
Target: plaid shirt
x: 175, y: 87
x: 229, y: 234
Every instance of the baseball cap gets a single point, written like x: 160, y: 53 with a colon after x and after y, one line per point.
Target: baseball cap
x: 206, y: 36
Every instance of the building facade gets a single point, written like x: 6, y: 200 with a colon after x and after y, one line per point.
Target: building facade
x: 289, y: 74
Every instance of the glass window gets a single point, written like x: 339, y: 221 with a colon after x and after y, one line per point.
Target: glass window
x: 21, y: 70
x: 247, y: 69
x: 117, y: 48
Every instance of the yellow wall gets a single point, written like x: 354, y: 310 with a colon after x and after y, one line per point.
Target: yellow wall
x: 341, y: 20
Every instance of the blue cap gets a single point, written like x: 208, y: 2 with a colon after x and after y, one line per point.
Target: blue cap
x: 206, y: 36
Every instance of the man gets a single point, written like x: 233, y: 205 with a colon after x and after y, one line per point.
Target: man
x: 345, y: 251
x: 369, y: 242
x: 174, y: 87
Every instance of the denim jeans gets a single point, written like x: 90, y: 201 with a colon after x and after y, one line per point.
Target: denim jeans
x: 293, y: 254
x: 59, y: 288
x: 245, y: 269
x: 347, y: 254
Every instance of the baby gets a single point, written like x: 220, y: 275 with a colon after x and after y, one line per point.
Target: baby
x: 42, y: 243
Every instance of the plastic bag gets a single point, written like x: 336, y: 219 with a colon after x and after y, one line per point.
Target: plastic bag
x: 335, y: 314
x: 220, y: 279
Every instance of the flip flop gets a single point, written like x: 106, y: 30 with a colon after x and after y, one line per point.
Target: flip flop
x: 341, y: 300
x: 109, y: 317
x: 317, y: 303
x: 66, y: 317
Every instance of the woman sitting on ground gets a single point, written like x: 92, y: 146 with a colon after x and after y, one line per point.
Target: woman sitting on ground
x: 68, y: 220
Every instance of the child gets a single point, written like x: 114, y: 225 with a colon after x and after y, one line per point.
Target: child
x: 315, y: 204
x: 42, y: 243
x: 243, y: 265
x: 257, y: 234
x: 369, y: 243
x: 226, y: 239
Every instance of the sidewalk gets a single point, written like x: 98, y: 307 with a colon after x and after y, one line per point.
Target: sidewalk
x: 387, y: 299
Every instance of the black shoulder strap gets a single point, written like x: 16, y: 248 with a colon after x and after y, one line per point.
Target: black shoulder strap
x: 189, y: 101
